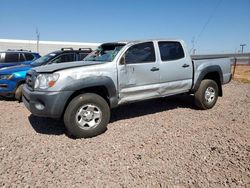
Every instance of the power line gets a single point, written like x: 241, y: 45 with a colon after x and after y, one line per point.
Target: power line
x: 209, y: 19
x: 206, y: 24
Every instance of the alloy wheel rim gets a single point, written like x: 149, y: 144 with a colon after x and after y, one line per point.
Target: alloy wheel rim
x: 88, y: 116
x: 210, y: 95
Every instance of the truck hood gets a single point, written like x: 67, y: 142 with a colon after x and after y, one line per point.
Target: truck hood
x: 61, y: 66
x: 13, y: 69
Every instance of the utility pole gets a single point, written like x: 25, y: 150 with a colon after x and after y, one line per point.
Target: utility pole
x: 37, y: 39
x: 242, y: 47
x: 193, y: 43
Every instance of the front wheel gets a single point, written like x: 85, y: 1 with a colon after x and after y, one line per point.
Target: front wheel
x: 207, y: 94
x: 87, y: 115
x: 18, y: 93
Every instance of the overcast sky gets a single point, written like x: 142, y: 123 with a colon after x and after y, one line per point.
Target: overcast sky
x: 214, y: 26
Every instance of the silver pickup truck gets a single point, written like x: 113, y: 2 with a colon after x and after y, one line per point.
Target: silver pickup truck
x: 82, y: 93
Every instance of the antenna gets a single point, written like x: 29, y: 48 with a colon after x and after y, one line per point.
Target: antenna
x: 37, y: 39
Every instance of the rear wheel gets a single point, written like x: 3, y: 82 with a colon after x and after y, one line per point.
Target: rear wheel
x: 18, y: 93
x: 87, y: 115
x: 207, y: 94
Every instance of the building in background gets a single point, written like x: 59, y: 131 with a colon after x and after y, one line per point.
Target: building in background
x: 43, y: 47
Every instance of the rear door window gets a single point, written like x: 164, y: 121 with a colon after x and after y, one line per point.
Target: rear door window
x: 11, y: 57
x: 29, y: 57
x: 170, y: 51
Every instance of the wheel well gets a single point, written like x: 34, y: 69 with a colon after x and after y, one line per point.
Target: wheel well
x: 19, y: 83
x: 99, y: 90
x: 216, y: 77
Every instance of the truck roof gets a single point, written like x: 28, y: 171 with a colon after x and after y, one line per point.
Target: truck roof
x: 143, y: 40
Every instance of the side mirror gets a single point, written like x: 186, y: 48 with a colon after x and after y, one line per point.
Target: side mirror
x: 122, y: 60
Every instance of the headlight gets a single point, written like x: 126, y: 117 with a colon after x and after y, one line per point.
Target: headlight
x: 6, y: 77
x: 45, y: 81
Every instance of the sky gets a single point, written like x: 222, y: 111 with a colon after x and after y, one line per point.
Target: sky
x: 208, y: 26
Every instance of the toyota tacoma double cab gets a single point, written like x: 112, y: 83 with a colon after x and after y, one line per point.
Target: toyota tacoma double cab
x: 82, y: 93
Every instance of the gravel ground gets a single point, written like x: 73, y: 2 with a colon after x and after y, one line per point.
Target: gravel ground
x: 158, y: 143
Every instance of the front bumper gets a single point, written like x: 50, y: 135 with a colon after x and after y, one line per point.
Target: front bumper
x: 45, y: 104
x: 7, y: 88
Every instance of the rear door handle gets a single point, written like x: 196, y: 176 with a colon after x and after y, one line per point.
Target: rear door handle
x: 154, y: 69
x: 185, y: 65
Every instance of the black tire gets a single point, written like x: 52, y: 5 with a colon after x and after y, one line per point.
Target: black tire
x: 18, y: 93
x: 71, y: 115
x: 200, y: 95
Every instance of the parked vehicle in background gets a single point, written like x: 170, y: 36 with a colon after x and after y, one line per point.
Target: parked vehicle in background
x: 117, y: 73
x: 13, y: 78
x: 17, y: 57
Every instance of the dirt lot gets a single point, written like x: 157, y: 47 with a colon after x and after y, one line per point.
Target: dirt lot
x: 157, y: 143
x: 242, y: 73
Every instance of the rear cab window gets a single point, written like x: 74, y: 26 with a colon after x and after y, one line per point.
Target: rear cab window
x: 170, y: 51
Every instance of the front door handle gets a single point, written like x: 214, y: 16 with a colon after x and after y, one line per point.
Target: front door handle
x: 185, y: 65
x: 154, y: 69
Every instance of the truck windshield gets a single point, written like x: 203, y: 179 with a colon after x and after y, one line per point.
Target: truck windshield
x: 105, y: 52
x: 43, y: 60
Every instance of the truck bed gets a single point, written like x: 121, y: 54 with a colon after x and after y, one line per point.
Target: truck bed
x: 202, y: 57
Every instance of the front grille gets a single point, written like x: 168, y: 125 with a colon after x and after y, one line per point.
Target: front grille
x: 30, y: 79
x: 3, y: 86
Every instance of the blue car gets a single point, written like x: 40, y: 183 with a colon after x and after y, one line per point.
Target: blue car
x: 13, y: 78
x: 16, y: 57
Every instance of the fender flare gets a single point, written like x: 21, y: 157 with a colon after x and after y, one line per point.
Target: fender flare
x: 207, y: 70
x: 96, y: 81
